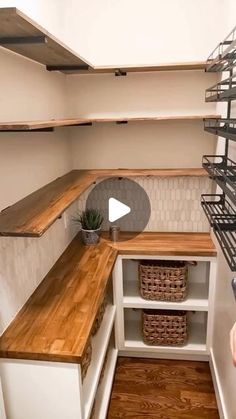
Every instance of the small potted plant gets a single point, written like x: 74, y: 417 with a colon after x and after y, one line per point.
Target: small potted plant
x: 90, y: 221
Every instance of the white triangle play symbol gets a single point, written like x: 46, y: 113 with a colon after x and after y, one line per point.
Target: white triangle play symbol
x: 116, y: 209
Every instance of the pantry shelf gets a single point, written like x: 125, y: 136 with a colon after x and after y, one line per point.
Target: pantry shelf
x: 196, y: 341
x: 49, y: 125
x: 223, y: 58
x: 23, y: 36
x: 34, y: 214
x: 197, y: 299
x: 223, y: 91
x: 223, y: 171
x: 223, y: 127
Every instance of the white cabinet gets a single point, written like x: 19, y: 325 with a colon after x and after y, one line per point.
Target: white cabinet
x: 199, y: 307
x: 53, y: 390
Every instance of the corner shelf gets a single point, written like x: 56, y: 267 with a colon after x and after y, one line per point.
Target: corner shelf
x: 224, y: 55
x: 34, y: 214
x: 223, y: 127
x: 23, y: 36
x: 55, y: 123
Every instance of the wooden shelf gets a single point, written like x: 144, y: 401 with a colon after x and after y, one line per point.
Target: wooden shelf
x: 34, y: 214
x: 22, y: 35
x: 66, y: 303
x: 184, y: 66
x: 54, y: 123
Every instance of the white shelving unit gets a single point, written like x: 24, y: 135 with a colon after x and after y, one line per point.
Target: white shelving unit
x: 99, y: 348
x: 199, y: 305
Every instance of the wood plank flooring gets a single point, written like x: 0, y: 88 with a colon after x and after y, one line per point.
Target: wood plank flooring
x: 162, y: 389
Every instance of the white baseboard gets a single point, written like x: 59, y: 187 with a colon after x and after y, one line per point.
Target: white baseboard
x: 217, y: 386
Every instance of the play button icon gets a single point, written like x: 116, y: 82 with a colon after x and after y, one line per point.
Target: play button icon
x: 117, y: 210
x: 123, y: 203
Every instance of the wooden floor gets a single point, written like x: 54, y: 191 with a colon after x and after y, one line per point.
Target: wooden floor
x: 162, y: 389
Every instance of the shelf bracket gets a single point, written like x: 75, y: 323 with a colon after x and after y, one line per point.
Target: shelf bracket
x: 17, y: 40
x: 67, y: 67
x: 119, y: 72
x: 84, y: 124
x: 49, y: 129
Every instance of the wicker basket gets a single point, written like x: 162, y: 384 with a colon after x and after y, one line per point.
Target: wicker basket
x: 164, y: 327
x: 99, y: 316
x: 85, y: 361
x: 163, y: 280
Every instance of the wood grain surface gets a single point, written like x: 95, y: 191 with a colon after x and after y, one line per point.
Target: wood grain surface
x: 56, y: 322
x: 53, y: 123
x: 33, y: 215
x: 172, y: 244
x: 162, y: 389
x: 15, y: 24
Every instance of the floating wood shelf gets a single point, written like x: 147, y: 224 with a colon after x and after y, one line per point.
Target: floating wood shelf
x: 33, y: 215
x: 71, y: 309
x: 22, y: 35
x: 55, y: 123
x: 123, y: 70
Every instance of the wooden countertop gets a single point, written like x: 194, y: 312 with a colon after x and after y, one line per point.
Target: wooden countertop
x: 56, y: 322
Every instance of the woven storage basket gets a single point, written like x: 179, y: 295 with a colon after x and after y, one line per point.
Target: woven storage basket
x: 85, y: 361
x: 163, y: 280
x: 99, y: 316
x: 164, y: 327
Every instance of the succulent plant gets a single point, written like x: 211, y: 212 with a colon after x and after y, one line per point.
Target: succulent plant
x: 89, y: 219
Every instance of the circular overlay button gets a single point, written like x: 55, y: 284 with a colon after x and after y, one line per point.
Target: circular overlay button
x: 122, y: 202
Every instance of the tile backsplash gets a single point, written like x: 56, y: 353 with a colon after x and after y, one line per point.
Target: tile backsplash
x: 175, y: 202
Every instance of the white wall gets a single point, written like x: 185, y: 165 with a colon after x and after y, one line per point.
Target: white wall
x: 160, y: 144
x: 125, y: 32
x: 111, y: 32
x: 27, y: 162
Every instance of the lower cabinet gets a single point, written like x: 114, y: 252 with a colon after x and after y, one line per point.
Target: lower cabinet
x: 198, y: 305
x: 53, y: 390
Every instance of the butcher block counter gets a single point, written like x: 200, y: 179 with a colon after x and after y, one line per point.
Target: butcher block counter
x: 56, y: 322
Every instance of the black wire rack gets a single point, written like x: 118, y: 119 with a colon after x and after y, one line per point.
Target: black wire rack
x: 223, y: 171
x: 223, y: 127
x: 223, y: 58
x: 223, y: 91
x: 222, y: 217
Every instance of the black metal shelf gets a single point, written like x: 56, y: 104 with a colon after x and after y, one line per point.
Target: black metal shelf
x: 223, y: 127
x: 219, y: 211
x: 224, y: 91
x: 222, y: 217
x: 223, y: 171
x: 223, y: 58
